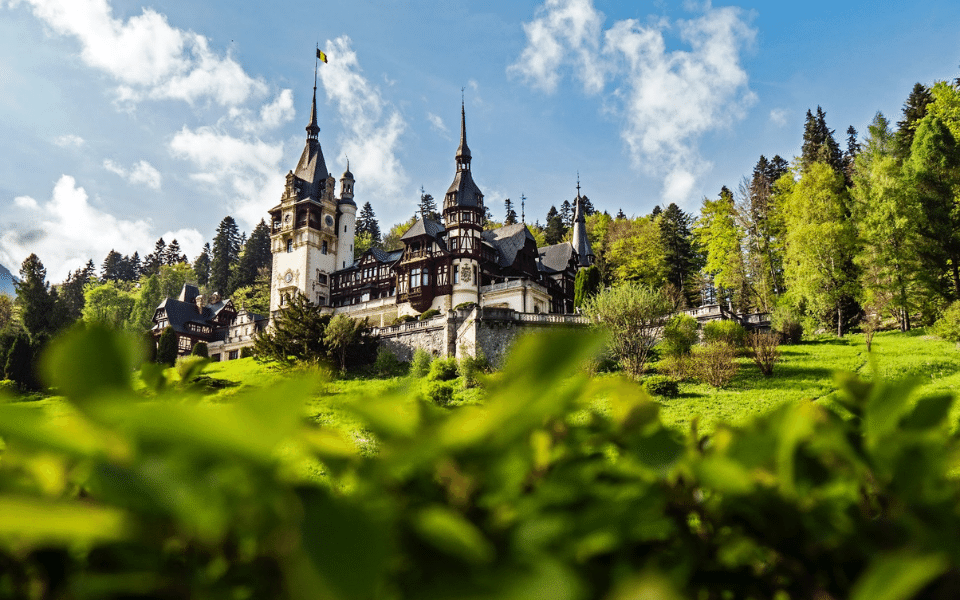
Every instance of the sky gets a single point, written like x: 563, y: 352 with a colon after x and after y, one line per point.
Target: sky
x: 127, y: 121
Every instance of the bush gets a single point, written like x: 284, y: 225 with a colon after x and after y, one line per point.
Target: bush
x: 167, y: 347
x: 470, y: 367
x: 420, y: 365
x: 714, y: 364
x: 429, y: 314
x: 661, y: 385
x: 200, y: 349
x: 386, y: 363
x: 726, y: 332
x: 246, y: 352
x: 948, y: 326
x: 8, y: 387
x: 443, y: 369
x: 190, y: 367
x: 764, y: 349
x: 440, y: 392
x: 678, y: 367
x: 679, y: 335
x: 464, y: 305
x: 785, y: 322
x: 403, y: 319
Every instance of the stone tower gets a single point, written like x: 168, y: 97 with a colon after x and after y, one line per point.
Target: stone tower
x: 311, y: 230
x: 463, y: 216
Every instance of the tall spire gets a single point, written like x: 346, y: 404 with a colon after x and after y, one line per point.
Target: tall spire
x: 463, y: 152
x: 312, y: 128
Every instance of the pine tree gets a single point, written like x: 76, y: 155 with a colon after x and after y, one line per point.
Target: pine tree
x: 367, y: 223
x: 566, y: 214
x: 172, y: 254
x: 914, y: 109
x: 511, y: 214
x: 428, y: 207
x: 621, y: 215
x: 18, y: 363
x: 148, y: 298
x: 112, y: 266
x: 679, y: 255
x: 201, y: 266
x: 819, y: 144
x: 34, y: 298
x: 71, y: 291
x: 554, y: 231
x: 154, y: 260
x: 296, y: 334
x: 226, y: 252
x: 255, y: 256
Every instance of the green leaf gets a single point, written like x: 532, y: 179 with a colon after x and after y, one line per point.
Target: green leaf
x: 86, y: 362
x: 929, y: 412
x: 898, y: 576
x: 725, y: 475
x: 40, y: 522
x: 451, y: 533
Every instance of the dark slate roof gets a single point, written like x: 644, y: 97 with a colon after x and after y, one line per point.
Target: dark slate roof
x: 311, y: 170
x: 580, y: 242
x: 467, y: 192
x: 386, y: 257
x: 555, y: 258
x: 423, y: 227
x: 189, y: 293
x: 508, y: 240
x: 180, y: 313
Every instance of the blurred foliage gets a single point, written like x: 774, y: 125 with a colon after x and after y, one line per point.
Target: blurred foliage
x: 566, y: 490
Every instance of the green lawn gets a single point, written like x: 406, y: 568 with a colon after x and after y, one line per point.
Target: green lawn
x: 807, y: 370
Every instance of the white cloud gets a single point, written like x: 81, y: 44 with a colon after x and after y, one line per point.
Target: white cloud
x: 246, y: 172
x: 272, y: 115
x: 69, y: 141
x: 778, y: 116
x: 437, y: 123
x: 371, y: 127
x: 25, y: 202
x: 563, y: 32
x: 667, y: 99
x: 61, y: 233
x: 142, y: 172
x: 146, y: 55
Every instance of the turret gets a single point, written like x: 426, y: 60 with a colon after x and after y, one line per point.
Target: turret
x: 579, y: 240
x: 346, y: 220
x: 463, y: 217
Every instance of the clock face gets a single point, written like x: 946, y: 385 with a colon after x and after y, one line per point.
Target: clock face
x: 329, y: 221
x: 287, y: 218
x: 289, y: 277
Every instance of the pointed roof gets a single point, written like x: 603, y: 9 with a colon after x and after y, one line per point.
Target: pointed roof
x: 579, y: 241
x: 463, y: 191
x: 312, y: 168
x: 508, y: 241
x: 423, y: 227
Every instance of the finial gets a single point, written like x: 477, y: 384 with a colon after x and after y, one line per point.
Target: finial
x: 578, y: 184
x: 523, y: 204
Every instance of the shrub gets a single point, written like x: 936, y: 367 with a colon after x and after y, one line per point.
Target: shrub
x: 661, y: 385
x: 470, y: 367
x: 404, y: 319
x: 246, y: 352
x: 787, y: 324
x: 440, y: 392
x: 429, y: 314
x: 764, y: 349
x: 8, y: 386
x: 443, y: 369
x: 420, y: 365
x: 678, y: 367
x: 200, y: 349
x: 585, y: 285
x: 167, y: 347
x: 679, y: 335
x: 948, y: 326
x: 190, y: 367
x: 386, y: 363
x: 633, y: 315
x: 714, y: 364
x: 726, y: 331
x: 464, y: 305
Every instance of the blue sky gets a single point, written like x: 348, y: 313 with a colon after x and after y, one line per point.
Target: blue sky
x: 126, y: 121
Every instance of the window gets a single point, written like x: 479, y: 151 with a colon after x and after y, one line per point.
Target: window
x: 234, y: 354
x: 323, y: 249
x: 414, y: 278
x: 289, y: 245
x: 425, y: 277
x: 321, y: 300
x: 344, y: 228
x: 321, y: 278
x: 456, y: 274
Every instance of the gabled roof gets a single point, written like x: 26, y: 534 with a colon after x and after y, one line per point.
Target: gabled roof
x: 386, y: 257
x: 555, y: 258
x: 180, y: 313
x: 189, y: 293
x: 508, y: 240
x: 427, y: 227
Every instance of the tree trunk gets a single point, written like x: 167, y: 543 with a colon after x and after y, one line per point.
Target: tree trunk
x: 956, y: 276
x: 839, y: 320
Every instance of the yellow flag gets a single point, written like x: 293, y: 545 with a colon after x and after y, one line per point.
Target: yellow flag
x: 321, y: 55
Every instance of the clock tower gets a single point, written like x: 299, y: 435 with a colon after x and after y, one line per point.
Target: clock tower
x: 312, y: 230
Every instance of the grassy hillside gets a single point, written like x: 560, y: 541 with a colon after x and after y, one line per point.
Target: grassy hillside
x: 806, y: 372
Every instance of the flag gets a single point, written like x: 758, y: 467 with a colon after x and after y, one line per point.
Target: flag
x: 321, y: 55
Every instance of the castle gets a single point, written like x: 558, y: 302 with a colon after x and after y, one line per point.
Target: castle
x: 448, y: 267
